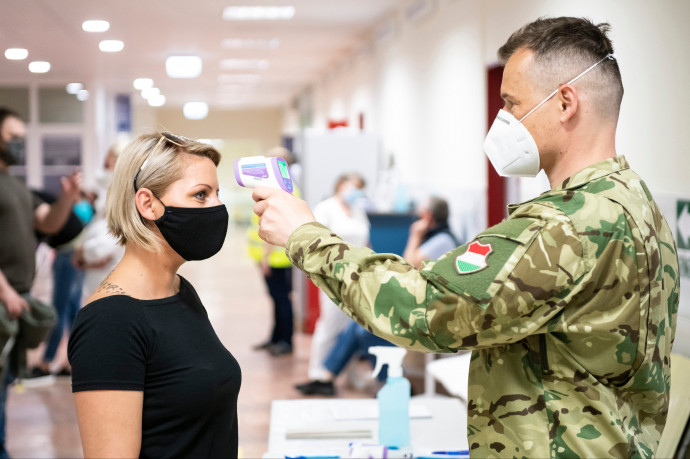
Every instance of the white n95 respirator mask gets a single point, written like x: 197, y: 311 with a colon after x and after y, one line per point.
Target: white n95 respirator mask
x: 509, y: 145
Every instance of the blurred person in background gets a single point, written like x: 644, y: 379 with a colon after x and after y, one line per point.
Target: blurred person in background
x: 276, y: 270
x: 67, y: 283
x: 99, y: 252
x: 150, y: 376
x: 21, y: 213
x: 343, y: 213
x: 430, y: 236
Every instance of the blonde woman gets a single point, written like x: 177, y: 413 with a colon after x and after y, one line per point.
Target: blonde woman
x: 150, y: 376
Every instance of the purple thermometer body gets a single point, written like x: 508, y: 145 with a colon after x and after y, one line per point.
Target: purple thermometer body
x: 262, y: 171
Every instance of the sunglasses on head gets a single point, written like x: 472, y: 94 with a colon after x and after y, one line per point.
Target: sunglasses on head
x: 175, y: 139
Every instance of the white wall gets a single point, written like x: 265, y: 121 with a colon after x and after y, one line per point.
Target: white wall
x: 423, y: 91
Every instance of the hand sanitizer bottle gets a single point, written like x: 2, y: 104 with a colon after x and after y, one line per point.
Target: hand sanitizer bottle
x: 393, y: 397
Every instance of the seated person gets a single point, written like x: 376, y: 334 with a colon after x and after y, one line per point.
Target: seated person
x: 430, y: 236
x: 355, y: 339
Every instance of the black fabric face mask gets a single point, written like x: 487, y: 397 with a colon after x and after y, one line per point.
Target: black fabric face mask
x: 195, y: 233
x: 13, y: 153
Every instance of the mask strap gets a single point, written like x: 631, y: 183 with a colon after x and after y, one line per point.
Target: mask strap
x: 608, y: 56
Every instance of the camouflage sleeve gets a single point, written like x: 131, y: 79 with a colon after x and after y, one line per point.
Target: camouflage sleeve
x: 366, y: 285
x: 501, y: 287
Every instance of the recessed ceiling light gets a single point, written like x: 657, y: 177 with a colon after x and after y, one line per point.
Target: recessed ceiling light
x: 250, y: 43
x: 195, y: 110
x: 39, y: 67
x: 183, y: 66
x: 157, y: 101
x: 74, y: 88
x: 82, y: 95
x: 258, y: 13
x: 248, y: 78
x: 111, y: 46
x: 150, y: 92
x: 16, y: 54
x: 243, y: 64
x: 143, y: 83
x: 95, y: 25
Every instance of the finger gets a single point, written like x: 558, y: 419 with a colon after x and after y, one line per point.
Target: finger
x: 262, y: 192
x: 260, y: 208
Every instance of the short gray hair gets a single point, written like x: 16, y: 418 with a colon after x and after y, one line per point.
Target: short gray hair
x: 564, y: 47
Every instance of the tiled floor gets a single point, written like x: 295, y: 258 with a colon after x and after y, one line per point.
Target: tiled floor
x: 42, y: 421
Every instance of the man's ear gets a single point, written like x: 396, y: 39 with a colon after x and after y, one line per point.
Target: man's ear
x: 144, y: 200
x: 568, y: 102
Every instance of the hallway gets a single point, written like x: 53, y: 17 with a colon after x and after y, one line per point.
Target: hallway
x: 42, y: 421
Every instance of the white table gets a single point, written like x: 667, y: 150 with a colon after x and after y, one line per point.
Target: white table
x: 443, y: 426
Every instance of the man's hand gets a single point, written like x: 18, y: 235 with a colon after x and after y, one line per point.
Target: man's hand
x: 72, y: 185
x: 280, y: 214
x: 419, y: 227
x: 14, y: 303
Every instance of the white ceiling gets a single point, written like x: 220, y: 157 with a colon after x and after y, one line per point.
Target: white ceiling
x: 321, y: 33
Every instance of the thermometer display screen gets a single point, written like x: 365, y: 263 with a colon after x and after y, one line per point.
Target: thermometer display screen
x: 283, y: 170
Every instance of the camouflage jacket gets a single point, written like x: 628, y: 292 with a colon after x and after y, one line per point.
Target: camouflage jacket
x: 569, y: 306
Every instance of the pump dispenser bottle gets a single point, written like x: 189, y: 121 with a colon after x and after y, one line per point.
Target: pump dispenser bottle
x: 393, y: 397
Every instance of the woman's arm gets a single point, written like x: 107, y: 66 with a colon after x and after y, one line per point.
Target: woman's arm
x: 110, y: 422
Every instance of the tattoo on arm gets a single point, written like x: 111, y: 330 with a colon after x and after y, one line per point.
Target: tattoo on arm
x: 108, y: 287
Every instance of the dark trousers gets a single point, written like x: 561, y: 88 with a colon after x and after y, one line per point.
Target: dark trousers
x: 7, y: 379
x: 279, y: 283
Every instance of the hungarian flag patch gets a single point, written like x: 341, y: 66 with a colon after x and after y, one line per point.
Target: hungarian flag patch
x: 474, y: 259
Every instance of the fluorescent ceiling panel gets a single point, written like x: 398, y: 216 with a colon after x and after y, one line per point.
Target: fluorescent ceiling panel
x: 183, y: 66
x: 258, y: 13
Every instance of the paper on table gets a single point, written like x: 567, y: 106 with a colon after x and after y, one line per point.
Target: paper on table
x: 346, y: 412
x: 328, y: 432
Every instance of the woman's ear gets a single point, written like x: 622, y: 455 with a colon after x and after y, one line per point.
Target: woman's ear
x: 144, y: 200
x: 568, y: 101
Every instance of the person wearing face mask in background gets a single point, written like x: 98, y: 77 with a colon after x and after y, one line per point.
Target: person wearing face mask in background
x: 68, y: 280
x: 150, y: 376
x: 99, y: 252
x: 21, y: 213
x: 569, y: 305
x: 276, y: 270
x: 344, y: 214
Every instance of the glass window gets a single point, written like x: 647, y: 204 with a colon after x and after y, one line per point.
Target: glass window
x: 17, y: 99
x: 61, y: 150
x: 56, y: 106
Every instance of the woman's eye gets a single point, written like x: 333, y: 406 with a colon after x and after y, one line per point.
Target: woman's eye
x: 201, y: 195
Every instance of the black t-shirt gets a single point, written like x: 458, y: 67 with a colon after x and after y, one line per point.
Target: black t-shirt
x: 168, y: 349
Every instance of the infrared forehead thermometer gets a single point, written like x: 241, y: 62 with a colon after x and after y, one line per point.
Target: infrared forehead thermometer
x: 254, y: 171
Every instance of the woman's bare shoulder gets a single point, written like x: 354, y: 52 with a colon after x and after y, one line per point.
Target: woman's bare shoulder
x: 109, y: 287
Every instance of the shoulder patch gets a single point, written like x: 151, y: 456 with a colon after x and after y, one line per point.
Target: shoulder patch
x: 474, y: 259
x: 477, y: 270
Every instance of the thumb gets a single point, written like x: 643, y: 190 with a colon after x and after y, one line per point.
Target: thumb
x: 262, y: 192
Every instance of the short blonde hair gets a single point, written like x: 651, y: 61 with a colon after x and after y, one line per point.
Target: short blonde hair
x: 164, y: 155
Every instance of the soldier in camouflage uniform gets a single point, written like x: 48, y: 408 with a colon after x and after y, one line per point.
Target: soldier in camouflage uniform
x: 569, y: 305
